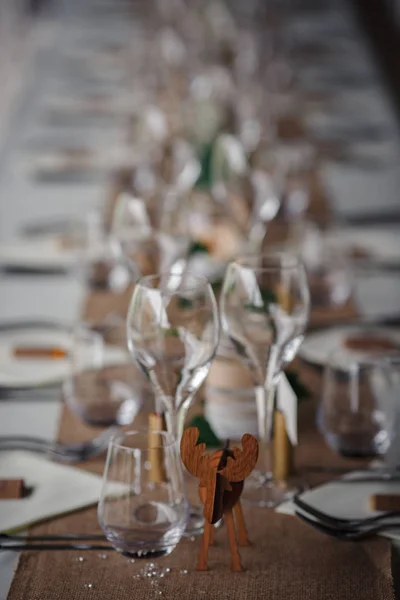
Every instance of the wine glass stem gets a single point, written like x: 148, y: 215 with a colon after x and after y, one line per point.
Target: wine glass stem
x: 265, y: 400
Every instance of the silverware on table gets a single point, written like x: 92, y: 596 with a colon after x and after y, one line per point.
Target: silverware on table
x: 355, y: 534
x: 53, y: 546
x: 64, y: 452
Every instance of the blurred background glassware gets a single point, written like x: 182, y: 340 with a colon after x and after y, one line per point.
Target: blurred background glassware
x: 249, y: 196
x: 327, y: 264
x: 358, y: 405
x: 264, y: 312
x: 146, y: 248
x: 103, y: 387
x: 142, y: 508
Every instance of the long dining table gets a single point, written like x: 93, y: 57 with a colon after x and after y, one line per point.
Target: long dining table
x: 287, y: 559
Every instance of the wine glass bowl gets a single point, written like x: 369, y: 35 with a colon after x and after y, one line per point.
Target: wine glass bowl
x: 264, y: 311
x: 173, y: 333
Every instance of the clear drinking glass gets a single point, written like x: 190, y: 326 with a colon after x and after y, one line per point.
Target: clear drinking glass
x: 145, y: 248
x: 103, y: 387
x: 173, y: 334
x: 264, y: 311
x: 358, y: 405
x: 142, y: 508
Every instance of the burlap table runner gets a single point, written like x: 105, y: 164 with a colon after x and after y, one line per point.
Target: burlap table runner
x: 288, y: 560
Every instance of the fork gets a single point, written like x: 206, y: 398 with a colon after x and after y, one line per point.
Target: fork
x: 349, y: 535
x: 342, y: 523
x: 64, y: 452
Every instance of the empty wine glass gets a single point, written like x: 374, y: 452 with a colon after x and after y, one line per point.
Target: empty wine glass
x: 358, y: 405
x: 142, y: 508
x: 173, y: 334
x: 147, y: 248
x: 264, y: 311
x: 103, y: 387
x: 249, y: 196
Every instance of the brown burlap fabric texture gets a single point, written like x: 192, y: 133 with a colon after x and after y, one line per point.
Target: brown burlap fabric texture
x: 288, y: 560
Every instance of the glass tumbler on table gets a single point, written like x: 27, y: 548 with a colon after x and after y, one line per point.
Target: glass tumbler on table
x: 103, y: 387
x: 264, y: 311
x: 173, y: 334
x: 358, y: 405
x: 142, y: 508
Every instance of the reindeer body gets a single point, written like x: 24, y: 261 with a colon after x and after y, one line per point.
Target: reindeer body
x: 222, y: 476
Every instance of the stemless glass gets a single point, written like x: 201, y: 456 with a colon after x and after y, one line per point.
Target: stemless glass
x: 142, y: 508
x: 103, y: 387
x: 173, y: 334
x: 357, y: 411
x: 264, y: 311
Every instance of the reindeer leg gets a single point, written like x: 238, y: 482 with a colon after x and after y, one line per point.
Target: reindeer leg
x: 235, y: 557
x: 242, y: 536
x: 202, y: 562
x: 212, y: 531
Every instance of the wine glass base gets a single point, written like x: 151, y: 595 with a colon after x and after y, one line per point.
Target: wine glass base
x: 147, y: 554
x: 269, y: 493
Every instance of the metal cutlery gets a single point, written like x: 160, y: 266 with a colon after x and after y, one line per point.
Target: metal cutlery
x: 355, y: 534
x: 24, y: 547
x: 63, y: 452
x: 342, y: 523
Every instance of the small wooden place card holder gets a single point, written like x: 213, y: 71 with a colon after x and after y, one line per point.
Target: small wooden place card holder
x: 221, y: 476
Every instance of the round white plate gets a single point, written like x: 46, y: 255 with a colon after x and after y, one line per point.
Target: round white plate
x: 318, y: 346
x: 38, y: 254
x: 381, y: 244
x: 25, y: 373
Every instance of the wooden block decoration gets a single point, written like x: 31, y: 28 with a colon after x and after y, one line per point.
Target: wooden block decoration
x: 385, y: 502
x: 11, y: 489
x: 156, y: 451
x: 221, y: 479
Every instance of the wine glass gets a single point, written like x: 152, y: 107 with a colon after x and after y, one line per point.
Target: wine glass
x: 264, y: 311
x: 145, y: 247
x: 358, y: 405
x: 142, y: 508
x: 173, y: 334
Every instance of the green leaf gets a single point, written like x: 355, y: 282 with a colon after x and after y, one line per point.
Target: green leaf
x: 197, y: 248
x: 185, y: 303
x: 207, y: 436
x: 204, y: 180
x: 268, y: 297
x: 217, y: 286
x: 170, y: 332
x: 302, y: 392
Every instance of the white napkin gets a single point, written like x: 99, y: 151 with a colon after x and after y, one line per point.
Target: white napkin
x: 57, y: 489
x: 345, y: 499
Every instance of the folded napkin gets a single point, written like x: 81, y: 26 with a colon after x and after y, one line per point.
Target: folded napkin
x: 347, y: 498
x: 56, y: 489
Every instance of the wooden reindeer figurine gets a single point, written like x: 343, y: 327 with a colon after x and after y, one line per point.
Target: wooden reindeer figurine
x: 221, y: 476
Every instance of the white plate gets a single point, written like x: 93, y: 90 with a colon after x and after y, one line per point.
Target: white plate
x: 38, y: 254
x: 381, y: 244
x: 24, y: 373
x: 347, y: 500
x: 317, y: 347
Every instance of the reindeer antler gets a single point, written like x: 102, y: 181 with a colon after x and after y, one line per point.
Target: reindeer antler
x: 192, y: 455
x: 243, y: 461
